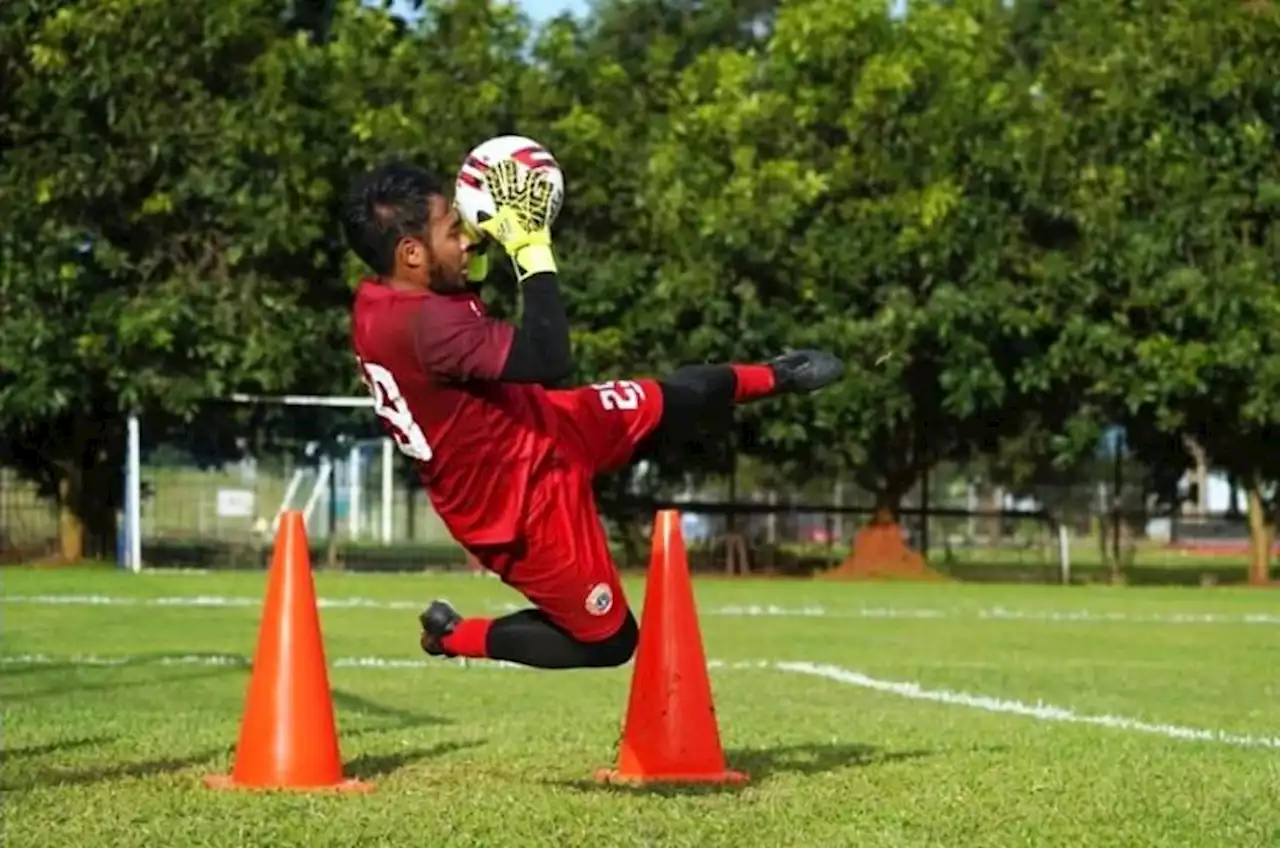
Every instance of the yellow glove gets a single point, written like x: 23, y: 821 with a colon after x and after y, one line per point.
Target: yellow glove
x: 520, y: 222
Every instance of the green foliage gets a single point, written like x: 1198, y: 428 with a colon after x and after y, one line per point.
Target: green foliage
x: 1019, y: 223
x: 868, y: 185
x: 1174, y: 150
x: 167, y: 197
x: 161, y: 241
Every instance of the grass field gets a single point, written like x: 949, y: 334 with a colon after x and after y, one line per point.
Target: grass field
x: 867, y: 715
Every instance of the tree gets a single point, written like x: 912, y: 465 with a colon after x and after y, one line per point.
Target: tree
x: 599, y: 92
x: 158, y: 230
x: 1178, y: 192
x: 168, y: 193
x: 875, y: 187
x: 602, y: 91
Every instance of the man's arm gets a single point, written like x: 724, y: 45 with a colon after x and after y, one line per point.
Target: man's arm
x: 540, y: 351
x: 524, y: 206
x: 455, y: 342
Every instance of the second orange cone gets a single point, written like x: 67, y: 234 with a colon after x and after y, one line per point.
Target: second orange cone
x: 670, y: 734
x: 288, y: 736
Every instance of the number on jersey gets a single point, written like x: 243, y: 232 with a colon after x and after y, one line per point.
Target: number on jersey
x: 620, y: 394
x: 389, y: 403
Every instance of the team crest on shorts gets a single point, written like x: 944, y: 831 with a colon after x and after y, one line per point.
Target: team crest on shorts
x: 600, y: 600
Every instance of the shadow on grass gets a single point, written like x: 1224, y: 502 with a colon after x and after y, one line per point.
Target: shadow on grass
x: 177, y: 668
x: 370, y: 766
x: 106, y: 772
x: 813, y: 758
x: 365, y: 767
x: 12, y: 672
x: 399, y: 717
x: 761, y: 764
x: 26, y: 751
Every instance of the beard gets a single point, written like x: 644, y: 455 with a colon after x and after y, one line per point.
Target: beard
x: 446, y: 279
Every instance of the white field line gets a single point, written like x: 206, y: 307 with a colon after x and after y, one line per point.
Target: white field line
x: 902, y: 689
x: 1038, y: 711
x: 724, y: 610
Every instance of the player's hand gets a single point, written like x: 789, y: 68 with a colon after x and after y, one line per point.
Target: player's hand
x: 523, y: 202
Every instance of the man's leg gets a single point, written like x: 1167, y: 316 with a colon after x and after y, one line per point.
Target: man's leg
x: 564, y: 567
x: 697, y: 396
x: 581, y: 619
x: 611, y: 424
x: 527, y: 637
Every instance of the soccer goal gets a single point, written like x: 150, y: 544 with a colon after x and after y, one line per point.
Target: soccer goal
x: 217, y: 486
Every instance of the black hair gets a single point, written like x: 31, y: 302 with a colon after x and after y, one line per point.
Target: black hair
x: 383, y: 206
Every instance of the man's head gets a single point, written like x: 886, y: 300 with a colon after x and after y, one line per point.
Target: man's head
x: 396, y: 218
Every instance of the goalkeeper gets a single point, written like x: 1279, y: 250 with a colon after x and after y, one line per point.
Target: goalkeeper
x: 507, y: 461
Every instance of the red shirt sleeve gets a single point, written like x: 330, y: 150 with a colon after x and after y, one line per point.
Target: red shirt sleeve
x: 454, y: 338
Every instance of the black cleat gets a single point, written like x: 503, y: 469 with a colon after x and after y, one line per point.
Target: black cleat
x: 805, y: 371
x: 438, y: 621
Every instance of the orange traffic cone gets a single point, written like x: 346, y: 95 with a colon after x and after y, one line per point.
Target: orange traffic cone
x: 288, y: 737
x: 670, y: 734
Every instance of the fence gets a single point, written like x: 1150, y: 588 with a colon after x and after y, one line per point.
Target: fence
x: 365, y: 510
x: 223, y: 518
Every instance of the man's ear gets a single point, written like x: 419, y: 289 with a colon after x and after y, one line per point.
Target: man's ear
x: 411, y: 253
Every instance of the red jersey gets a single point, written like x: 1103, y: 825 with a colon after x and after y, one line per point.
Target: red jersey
x: 432, y: 363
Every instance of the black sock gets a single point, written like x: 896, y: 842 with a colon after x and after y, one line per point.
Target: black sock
x: 528, y: 637
x: 696, y: 400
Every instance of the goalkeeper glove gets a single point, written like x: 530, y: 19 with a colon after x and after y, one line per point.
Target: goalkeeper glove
x: 521, y: 217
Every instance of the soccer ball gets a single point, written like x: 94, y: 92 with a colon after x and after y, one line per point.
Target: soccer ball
x: 470, y: 195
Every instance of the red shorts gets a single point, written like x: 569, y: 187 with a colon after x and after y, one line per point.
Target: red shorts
x: 561, y: 560
x: 601, y: 425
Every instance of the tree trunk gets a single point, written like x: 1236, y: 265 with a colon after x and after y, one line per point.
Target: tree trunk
x: 1104, y: 533
x: 101, y: 496
x: 71, y: 527
x: 1260, y: 536
x: 88, y: 493
x: 1201, y: 460
x: 992, y: 505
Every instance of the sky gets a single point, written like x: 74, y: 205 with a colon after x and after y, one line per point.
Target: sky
x: 540, y: 10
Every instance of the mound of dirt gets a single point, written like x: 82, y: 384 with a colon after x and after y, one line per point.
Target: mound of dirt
x: 880, y: 553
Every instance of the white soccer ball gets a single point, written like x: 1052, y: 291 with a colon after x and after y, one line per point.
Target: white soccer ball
x: 470, y: 195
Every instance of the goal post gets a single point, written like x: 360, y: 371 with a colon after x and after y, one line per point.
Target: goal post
x: 131, y: 541
x: 356, y: 470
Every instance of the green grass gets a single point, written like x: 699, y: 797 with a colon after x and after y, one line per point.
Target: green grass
x: 114, y: 756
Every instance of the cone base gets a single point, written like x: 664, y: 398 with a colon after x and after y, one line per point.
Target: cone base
x: 617, y: 778
x: 226, y: 781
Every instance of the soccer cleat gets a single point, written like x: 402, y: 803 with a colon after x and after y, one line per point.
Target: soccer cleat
x: 438, y: 621
x: 805, y: 371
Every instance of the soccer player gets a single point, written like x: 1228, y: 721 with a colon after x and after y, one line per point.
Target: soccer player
x: 508, y: 462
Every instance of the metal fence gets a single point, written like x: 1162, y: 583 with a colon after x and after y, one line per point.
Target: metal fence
x: 211, y: 493
x: 364, y: 513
